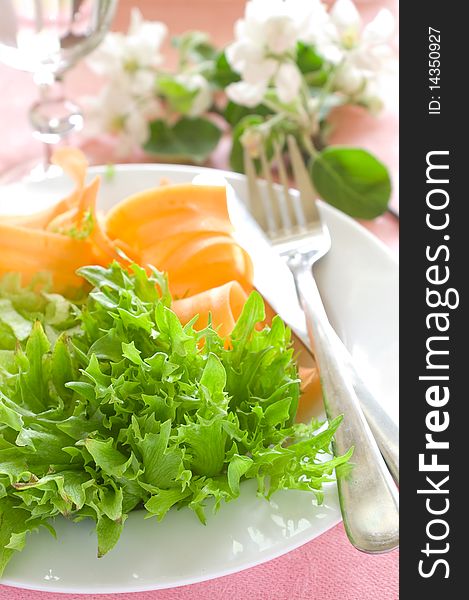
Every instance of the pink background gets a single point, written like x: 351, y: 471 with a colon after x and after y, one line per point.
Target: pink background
x: 327, y: 568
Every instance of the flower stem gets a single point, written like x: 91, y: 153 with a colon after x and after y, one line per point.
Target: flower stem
x: 309, y: 146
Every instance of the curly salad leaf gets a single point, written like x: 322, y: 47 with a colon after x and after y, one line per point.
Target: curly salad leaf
x: 113, y: 405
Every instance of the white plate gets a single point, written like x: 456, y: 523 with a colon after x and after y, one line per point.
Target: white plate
x: 359, y: 283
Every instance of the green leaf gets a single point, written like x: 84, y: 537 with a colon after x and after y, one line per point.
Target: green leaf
x: 178, y: 95
x: 141, y: 321
x: 59, y: 311
x: 61, y: 367
x: 17, y: 541
x: 353, y: 181
x: 169, y: 324
x: 7, y: 337
x: 160, y: 503
x: 193, y: 139
x: 253, y: 312
x: 206, y: 445
x: 106, y: 457
x: 111, y: 503
x: 278, y: 412
x: 307, y: 58
x: 20, y: 326
x: 318, y: 79
x: 131, y: 352
x: 108, y: 347
x: 84, y: 389
x: 194, y: 46
x: 223, y: 74
x: 74, y: 486
x: 214, y: 375
x: 8, y: 416
x: 160, y: 465
x: 103, y: 279
x: 7, y: 360
x: 108, y: 532
x: 238, y: 466
x: 13, y: 527
x: 44, y: 445
x: 34, y: 381
x: 234, y: 113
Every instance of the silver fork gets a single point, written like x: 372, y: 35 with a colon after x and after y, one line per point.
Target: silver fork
x: 368, y: 496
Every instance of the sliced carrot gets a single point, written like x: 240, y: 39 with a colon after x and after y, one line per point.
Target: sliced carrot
x: 61, y: 267
x: 73, y: 162
x: 183, y: 229
x: 223, y: 303
x: 187, y: 283
x: 149, y: 205
x: 39, y: 242
x: 311, y: 394
x: 178, y: 222
x: 76, y: 219
x: 160, y: 250
x: 205, y: 253
x: 199, y: 251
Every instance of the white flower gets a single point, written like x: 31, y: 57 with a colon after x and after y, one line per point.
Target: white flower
x: 264, y: 48
x: 131, y: 59
x: 116, y: 112
x: 204, y: 97
x: 362, y: 54
x: 287, y: 82
x: 246, y: 94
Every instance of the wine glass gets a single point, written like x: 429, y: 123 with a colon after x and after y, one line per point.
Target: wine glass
x: 46, y: 38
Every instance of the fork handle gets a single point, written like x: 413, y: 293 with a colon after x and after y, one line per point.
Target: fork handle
x: 383, y: 428
x: 367, y: 494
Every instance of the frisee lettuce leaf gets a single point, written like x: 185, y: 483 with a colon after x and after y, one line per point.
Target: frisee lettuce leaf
x: 112, y: 405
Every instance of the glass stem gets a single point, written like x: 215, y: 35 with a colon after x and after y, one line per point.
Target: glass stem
x: 53, y: 117
x: 47, y: 155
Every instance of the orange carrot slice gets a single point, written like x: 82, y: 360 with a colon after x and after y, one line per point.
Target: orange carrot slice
x: 200, y: 250
x: 223, y: 303
x: 168, y: 225
x: 150, y: 205
x: 187, y: 282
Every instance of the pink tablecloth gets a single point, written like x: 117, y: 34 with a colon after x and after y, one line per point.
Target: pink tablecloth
x: 327, y: 568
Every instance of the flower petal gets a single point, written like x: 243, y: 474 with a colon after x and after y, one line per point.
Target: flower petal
x: 246, y: 94
x: 345, y: 15
x: 380, y: 29
x: 242, y: 52
x: 349, y: 79
x: 260, y: 71
x: 280, y: 34
x: 288, y: 82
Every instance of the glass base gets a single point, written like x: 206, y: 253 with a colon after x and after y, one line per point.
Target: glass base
x: 29, y: 171
x: 53, y: 119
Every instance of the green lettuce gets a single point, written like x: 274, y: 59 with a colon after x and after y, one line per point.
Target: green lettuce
x: 112, y: 405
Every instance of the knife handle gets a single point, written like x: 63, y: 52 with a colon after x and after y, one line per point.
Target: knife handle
x: 367, y: 494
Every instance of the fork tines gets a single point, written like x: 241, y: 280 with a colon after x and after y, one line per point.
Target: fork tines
x: 282, y: 215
